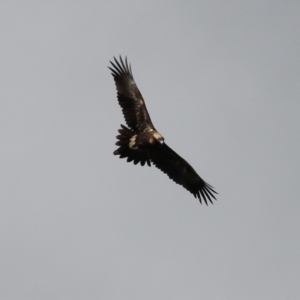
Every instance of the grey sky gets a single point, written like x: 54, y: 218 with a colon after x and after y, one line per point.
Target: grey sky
x: 221, y: 80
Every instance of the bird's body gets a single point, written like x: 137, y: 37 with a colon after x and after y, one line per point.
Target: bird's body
x: 142, y: 143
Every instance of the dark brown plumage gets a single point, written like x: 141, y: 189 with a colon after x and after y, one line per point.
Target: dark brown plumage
x: 142, y: 143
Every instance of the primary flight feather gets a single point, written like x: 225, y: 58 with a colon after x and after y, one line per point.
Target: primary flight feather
x: 142, y: 143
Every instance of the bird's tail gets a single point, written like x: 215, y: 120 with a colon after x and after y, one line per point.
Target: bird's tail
x: 135, y: 155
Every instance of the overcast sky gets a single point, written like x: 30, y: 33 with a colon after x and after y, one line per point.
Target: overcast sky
x: 221, y: 80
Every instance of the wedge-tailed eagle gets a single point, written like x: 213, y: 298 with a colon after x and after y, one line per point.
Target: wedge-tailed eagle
x: 142, y: 143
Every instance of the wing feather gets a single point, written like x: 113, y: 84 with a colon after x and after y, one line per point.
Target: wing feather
x: 180, y: 171
x: 129, y: 96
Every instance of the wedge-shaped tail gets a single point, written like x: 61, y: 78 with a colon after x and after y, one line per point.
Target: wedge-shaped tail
x: 135, y: 155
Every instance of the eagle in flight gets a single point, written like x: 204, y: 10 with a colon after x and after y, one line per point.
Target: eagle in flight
x: 142, y: 143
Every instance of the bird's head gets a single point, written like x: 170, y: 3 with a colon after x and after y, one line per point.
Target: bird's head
x: 158, y: 137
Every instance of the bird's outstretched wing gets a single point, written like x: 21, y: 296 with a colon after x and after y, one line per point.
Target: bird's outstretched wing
x: 179, y: 170
x: 129, y: 97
